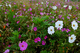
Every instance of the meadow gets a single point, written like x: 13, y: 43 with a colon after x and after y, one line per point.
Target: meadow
x: 39, y: 26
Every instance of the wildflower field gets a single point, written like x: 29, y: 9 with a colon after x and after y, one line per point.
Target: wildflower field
x: 39, y: 26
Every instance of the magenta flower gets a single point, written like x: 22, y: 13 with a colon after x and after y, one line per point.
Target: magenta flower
x: 39, y: 39
x: 30, y: 9
x: 23, y: 5
x: 60, y: 16
x: 5, y: 12
x: 7, y: 51
x: 63, y: 29
x: 43, y: 43
x: 68, y: 17
x: 53, y: 17
x: 18, y: 22
x: 19, y: 36
x: 41, y: 13
x: 35, y: 29
x: 23, y: 45
x: 45, y: 37
x: 67, y: 30
x: 19, y: 29
x: 9, y: 45
x: 14, y: 16
x: 36, y: 40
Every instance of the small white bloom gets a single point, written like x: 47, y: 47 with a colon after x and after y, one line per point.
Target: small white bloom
x: 41, y: 2
x: 74, y: 25
x: 65, y: 6
x: 0, y: 5
x: 37, y: 4
x: 51, y: 30
x: 59, y: 25
x: 9, y: 5
x: 54, y: 7
x: 70, y: 7
x: 6, y: 4
x: 77, y: 43
x: 72, y: 38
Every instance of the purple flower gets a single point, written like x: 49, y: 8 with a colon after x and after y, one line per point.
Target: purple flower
x: 30, y: 9
x: 53, y: 17
x: 45, y: 37
x: 41, y: 13
x: 77, y: 8
x: 68, y: 17
x: 7, y: 51
x: 9, y: 45
x: 14, y: 3
x: 63, y: 18
x: 39, y: 39
x: 67, y: 30
x: 60, y: 16
x: 14, y: 16
x: 23, y: 45
x: 35, y: 28
x: 5, y: 12
x: 19, y: 36
x: 78, y: 21
x: 27, y: 25
x: 63, y: 29
x: 24, y: 9
x: 36, y: 40
x: 18, y: 22
x: 43, y: 43
x: 19, y: 29
x: 23, y: 5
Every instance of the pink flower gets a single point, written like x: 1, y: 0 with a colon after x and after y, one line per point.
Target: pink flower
x: 7, y: 51
x: 18, y: 22
x: 45, y: 37
x: 68, y: 17
x: 67, y: 30
x: 41, y: 13
x: 35, y: 40
x: 9, y: 45
x: 39, y: 39
x: 35, y: 29
x: 30, y: 9
x: 19, y: 36
x: 5, y: 12
x: 19, y: 29
x: 23, y: 5
x: 23, y: 45
x: 53, y: 17
x: 43, y: 43
x: 14, y: 16
x: 60, y: 16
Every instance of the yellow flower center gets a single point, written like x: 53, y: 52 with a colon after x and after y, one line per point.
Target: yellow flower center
x: 71, y: 38
x: 73, y: 25
x: 59, y: 24
x: 51, y: 29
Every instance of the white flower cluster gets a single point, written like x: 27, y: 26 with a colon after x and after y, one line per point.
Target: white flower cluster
x: 59, y: 25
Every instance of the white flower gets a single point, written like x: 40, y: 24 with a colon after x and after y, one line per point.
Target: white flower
x: 72, y: 38
x: 9, y: 5
x: 0, y: 5
x: 77, y: 43
x: 59, y: 24
x: 37, y: 4
x: 6, y: 4
x: 74, y: 25
x: 65, y: 6
x: 70, y: 7
x: 54, y: 7
x: 41, y: 2
x: 51, y: 30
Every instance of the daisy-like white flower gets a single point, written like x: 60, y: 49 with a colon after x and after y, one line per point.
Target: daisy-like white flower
x: 41, y: 2
x: 54, y: 7
x: 0, y: 5
x: 59, y: 25
x: 51, y: 30
x: 74, y: 25
x: 70, y: 7
x: 72, y: 38
x: 9, y: 5
x: 65, y: 6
